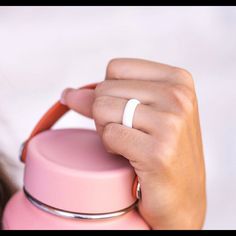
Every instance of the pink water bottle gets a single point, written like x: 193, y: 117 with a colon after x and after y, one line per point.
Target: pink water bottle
x: 72, y: 182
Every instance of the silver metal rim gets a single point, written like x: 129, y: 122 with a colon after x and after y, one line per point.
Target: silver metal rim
x: 138, y: 191
x: 21, y: 151
x: 76, y: 215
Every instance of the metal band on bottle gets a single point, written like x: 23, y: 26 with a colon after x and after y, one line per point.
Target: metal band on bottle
x: 76, y: 215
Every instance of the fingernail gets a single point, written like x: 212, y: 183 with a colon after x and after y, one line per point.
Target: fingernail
x: 64, y: 94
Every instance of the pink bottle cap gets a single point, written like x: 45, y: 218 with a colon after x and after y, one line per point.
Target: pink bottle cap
x: 71, y: 170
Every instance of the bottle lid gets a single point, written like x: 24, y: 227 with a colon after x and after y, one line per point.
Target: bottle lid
x: 70, y: 169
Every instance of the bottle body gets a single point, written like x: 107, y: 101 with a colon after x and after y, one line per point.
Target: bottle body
x: 20, y: 213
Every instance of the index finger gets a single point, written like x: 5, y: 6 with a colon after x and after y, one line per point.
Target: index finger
x: 139, y: 69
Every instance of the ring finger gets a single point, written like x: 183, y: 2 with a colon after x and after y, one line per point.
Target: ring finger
x: 107, y: 109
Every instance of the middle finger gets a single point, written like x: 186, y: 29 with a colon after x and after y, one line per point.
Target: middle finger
x: 147, y: 92
x: 107, y: 109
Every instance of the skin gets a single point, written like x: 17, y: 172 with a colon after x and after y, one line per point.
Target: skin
x: 164, y: 146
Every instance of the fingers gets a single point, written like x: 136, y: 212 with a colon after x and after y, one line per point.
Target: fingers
x: 144, y: 80
x: 147, y: 119
x: 165, y: 97
x: 138, y: 69
x: 145, y: 91
x: 80, y: 100
x: 108, y: 109
x: 104, y: 107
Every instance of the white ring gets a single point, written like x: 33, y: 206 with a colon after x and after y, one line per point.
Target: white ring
x: 129, y: 112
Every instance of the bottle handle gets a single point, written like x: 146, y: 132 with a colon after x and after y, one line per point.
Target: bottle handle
x: 49, y: 119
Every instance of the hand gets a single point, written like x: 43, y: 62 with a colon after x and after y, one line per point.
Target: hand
x: 164, y: 146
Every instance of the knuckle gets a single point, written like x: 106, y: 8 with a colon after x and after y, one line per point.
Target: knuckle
x: 173, y: 123
x: 155, y: 151
x: 112, y: 68
x: 184, y: 75
x: 98, y: 107
x: 163, y: 154
x: 108, y: 133
x: 166, y: 145
x: 183, y: 98
x: 100, y: 88
x: 124, y: 134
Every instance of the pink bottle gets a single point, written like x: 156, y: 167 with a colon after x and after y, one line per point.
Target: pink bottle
x: 72, y: 182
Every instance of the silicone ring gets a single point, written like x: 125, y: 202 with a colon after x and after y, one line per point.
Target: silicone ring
x: 129, y: 112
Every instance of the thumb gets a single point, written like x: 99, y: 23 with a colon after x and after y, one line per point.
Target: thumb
x: 80, y: 100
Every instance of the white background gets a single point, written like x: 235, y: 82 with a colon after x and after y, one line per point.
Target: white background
x: 45, y: 49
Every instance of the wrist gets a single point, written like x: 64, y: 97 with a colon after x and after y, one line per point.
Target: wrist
x: 180, y: 219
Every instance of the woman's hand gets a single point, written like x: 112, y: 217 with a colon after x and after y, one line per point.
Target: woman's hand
x: 164, y: 146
